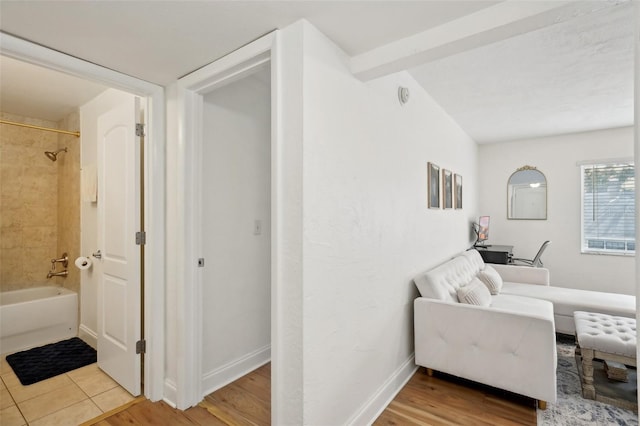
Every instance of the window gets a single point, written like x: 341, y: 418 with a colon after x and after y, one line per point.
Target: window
x: 608, y: 208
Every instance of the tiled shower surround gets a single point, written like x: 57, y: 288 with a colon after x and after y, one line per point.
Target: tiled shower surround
x: 69, y: 199
x: 39, y: 202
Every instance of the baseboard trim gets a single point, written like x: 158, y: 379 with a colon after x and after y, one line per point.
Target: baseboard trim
x: 170, y: 393
x: 371, y: 409
x: 89, y: 336
x: 233, y: 370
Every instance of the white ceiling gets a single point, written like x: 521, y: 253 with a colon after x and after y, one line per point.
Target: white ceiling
x: 560, y: 78
x: 38, y: 92
x: 160, y: 41
x: 573, y: 76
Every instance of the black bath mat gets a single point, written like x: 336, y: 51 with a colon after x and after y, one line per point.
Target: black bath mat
x: 34, y: 365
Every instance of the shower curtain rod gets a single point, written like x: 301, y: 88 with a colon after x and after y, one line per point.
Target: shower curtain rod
x: 66, y: 132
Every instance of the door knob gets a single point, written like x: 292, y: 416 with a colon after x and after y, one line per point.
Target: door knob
x: 97, y: 255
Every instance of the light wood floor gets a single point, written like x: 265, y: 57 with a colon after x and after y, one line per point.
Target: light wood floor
x: 448, y: 400
x: 437, y: 400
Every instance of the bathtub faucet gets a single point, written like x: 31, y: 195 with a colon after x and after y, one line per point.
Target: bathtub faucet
x: 57, y: 274
x: 64, y: 260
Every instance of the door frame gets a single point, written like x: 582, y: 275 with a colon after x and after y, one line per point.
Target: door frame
x: 154, y: 194
x: 190, y: 93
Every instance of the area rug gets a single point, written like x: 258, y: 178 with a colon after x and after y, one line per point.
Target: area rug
x: 573, y: 410
x: 44, y: 362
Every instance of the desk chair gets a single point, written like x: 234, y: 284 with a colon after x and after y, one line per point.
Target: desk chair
x: 536, y: 262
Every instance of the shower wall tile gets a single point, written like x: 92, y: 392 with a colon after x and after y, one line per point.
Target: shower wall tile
x: 69, y: 199
x: 12, y: 217
x: 39, y: 202
x: 11, y: 273
x: 11, y: 179
x: 11, y: 154
x: 9, y: 200
x: 42, y: 189
x: 37, y: 262
x: 40, y: 213
x: 29, y: 206
x: 11, y: 238
x: 39, y: 236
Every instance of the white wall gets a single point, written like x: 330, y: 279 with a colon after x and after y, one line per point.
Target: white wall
x: 351, y: 230
x: 89, y: 114
x: 236, y: 288
x: 367, y: 228
x: 287, y: 233
x: 556, y: 157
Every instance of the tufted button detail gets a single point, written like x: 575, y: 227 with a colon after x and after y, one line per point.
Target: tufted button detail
x: 606, y: 333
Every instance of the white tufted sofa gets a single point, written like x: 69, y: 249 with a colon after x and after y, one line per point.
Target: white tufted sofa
x: 565, y: 301
x: 509, y: 344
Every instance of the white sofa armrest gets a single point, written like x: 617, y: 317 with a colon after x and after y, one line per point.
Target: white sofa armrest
x: 502, y: 348
x: 523, y: 274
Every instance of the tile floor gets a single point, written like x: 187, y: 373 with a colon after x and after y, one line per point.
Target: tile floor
x: 67, y: 399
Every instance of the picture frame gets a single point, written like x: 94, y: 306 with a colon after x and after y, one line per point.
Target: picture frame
x: 457, y: 187
x: 447, y: 189
x: 433, y: 185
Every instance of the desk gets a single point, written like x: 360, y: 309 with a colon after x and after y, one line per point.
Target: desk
x: 496, y: 254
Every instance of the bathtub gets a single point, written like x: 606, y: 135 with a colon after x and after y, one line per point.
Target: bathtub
x: 36, y: 316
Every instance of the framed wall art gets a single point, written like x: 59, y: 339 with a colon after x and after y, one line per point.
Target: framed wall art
x: 433, y: 196
x: 447, y: 189
x: 457, y: 187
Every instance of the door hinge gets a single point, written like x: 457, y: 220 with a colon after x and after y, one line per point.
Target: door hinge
x: 141, y: 346
x: 141, y: 238
x: 139, y: 129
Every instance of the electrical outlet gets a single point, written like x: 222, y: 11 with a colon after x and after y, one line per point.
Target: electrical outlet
x: 257, y: 227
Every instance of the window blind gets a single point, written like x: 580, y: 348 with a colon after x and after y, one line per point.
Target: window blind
x: 608, y: 208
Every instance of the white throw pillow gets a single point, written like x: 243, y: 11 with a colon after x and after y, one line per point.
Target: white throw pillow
x: 474, y: 293
x: 491, y: 278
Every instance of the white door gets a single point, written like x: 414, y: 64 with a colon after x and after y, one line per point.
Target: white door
x: 119, y: 281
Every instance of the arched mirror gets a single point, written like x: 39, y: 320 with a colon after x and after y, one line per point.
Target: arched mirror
x: 527, y: 194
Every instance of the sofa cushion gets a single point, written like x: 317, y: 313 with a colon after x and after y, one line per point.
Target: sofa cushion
x: 522, y: 274
x: 473, y: 256
x: 474, y: 293
x: 523, y: 305
x: 568, y: 300
x: 442, y: 282
x: 491, y: 278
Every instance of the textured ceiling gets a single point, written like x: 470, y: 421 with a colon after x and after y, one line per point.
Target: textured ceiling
x: 571, y: 76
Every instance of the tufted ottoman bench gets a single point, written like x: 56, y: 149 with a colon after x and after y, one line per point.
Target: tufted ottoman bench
x: 604, y: 337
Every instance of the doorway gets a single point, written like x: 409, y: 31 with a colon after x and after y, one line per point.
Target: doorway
x: 198, y: 94
x: 153, y: 198
x: 236, y: 229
